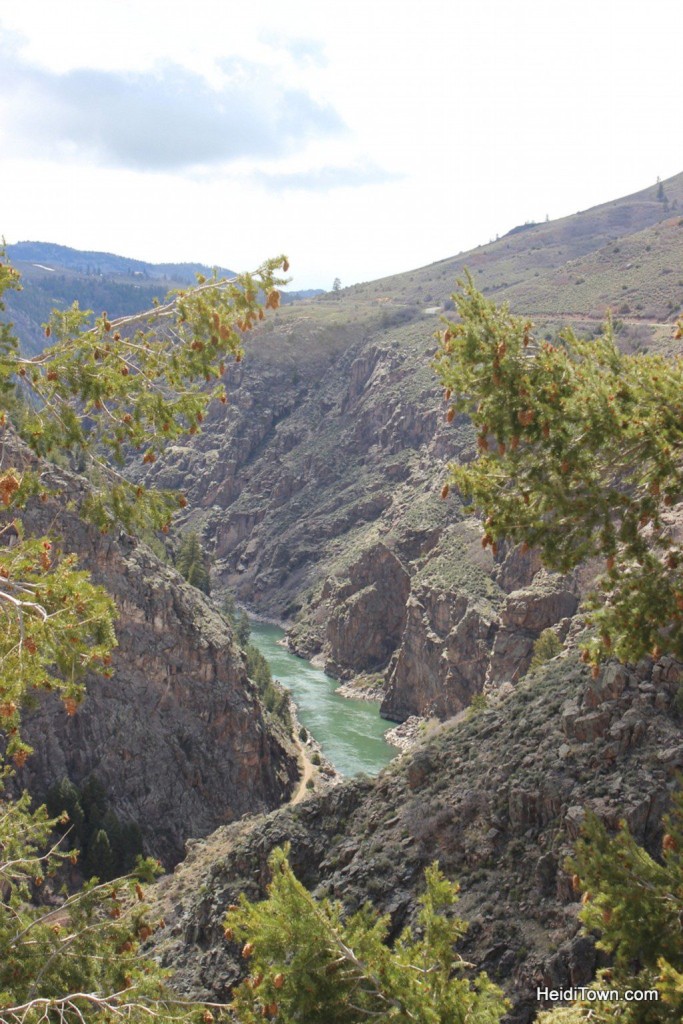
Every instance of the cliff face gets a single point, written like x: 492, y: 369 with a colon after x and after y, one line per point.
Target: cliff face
x: 178, y: 736
x: 317, y: 491
x: 368, y: 613
x: 442, y: 659
x: 469, y: 632
x: 325, y: 422
x: 498, y: 798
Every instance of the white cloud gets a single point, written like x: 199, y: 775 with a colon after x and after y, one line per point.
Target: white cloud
x: 168, y: 118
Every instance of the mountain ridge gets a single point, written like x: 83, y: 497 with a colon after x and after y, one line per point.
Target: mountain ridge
x: 99, y: 263
x: 54, y: 276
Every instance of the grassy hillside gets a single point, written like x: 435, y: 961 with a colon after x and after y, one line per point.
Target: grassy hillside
x: 533, y: 251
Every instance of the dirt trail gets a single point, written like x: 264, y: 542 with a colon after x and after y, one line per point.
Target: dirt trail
x: 585, y: 317
x: 307, y: 774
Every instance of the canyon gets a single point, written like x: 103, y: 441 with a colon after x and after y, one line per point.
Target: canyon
x: 316, y: 492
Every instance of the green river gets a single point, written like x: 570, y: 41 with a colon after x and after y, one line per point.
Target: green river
x: 350, y: 732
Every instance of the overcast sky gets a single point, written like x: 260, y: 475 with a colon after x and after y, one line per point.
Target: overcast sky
x: 362, y: 138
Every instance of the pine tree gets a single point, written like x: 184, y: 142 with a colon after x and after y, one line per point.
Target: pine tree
x: 308, y: 963
x: 94, y: 802
x: 99, y: 859
x: 191, y: 562
x: 258, y: 668
x: 272, y: 693
x: 635, y: 904
x: 229, y: 608
x: 580, y: 454
x: 65, y: 799
x: 131, y: 846
x: 243, y: 629
x: 99, y: 392
x: 113, y: 829
x: 546, y: 646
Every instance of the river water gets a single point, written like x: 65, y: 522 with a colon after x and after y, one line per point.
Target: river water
x: 350, y: 732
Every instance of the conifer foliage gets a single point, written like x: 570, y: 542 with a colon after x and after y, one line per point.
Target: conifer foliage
x: 108, y: 846
x: 308, y: 963
x: 580, y: 454
x: 100, y: 393
x: 79, y: 959
x: 635, y: 904
x: 191, y: 562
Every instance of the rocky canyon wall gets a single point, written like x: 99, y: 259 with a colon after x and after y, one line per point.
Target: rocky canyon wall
x: 317, y: 493
x: 178, y: 736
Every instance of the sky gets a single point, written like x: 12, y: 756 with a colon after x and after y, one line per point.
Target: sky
x: 361, y: 138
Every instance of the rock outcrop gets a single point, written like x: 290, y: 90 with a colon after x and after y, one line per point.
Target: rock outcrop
x: 334, y: 440
x: 443, y: 656
x: 178, y: 737
x: 368, y: 612
x: 524, y: 615
x: 316, y: 493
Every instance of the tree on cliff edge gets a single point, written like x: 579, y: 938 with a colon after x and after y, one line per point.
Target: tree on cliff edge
x: 635, y: 904
x: 100, y: 391
x: 191, y: 562
x: 580, y: 454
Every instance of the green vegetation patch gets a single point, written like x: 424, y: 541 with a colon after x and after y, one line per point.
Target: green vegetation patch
x: 453, y: 568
